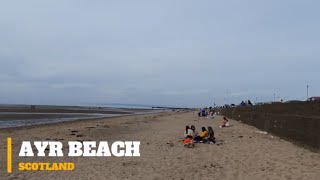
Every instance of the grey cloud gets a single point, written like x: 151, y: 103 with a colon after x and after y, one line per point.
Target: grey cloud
x: 168, y: 52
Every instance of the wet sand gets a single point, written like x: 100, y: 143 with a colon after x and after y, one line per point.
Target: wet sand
x: 26, y: 115
x: 69, y: 109
x: 241, y: 152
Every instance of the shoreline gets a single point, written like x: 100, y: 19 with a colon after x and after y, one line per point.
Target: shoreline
x: 23, y: 116
x: 67, y: 122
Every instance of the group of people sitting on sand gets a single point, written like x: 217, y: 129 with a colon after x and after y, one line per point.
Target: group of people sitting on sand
x: 206, y: 112
x: 191, y: 135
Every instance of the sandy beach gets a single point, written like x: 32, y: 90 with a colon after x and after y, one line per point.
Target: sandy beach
x: 241, y: 152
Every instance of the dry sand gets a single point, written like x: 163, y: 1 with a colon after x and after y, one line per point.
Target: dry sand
x: 242, y: 154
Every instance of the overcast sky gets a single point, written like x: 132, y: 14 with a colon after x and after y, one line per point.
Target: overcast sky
x: 177, y: 53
